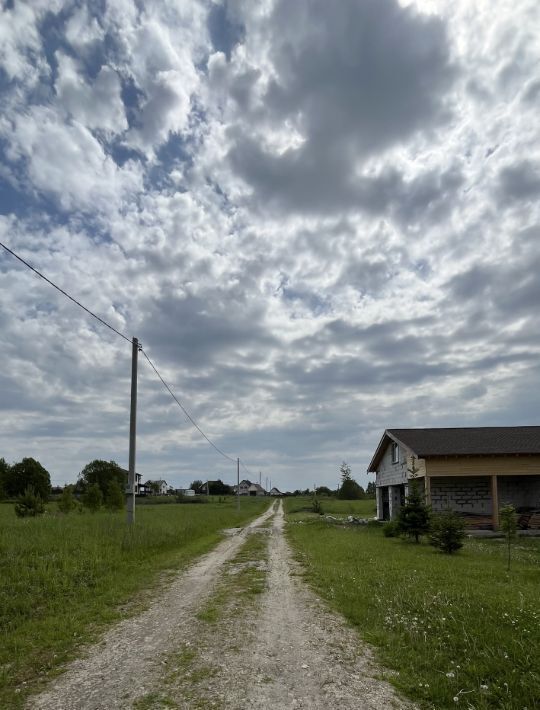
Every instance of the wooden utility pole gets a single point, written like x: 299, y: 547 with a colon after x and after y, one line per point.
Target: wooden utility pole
x: 238, y: 484
x: 130, y: 502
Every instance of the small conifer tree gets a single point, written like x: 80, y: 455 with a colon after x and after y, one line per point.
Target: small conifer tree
x: 447, y: 531
x: 414, y: 516
x: 29, y: 504
x: 67, y: 500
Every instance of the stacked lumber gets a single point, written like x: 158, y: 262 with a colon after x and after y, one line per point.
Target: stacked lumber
x: 475, y: 521
x: 529, y: 519
x: 534, y: 521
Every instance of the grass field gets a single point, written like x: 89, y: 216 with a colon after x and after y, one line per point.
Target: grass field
x: 457, y: 631
x: 64, y: 577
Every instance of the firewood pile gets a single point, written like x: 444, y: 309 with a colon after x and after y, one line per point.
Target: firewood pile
x: 475, y: 521
x: 529, y: 520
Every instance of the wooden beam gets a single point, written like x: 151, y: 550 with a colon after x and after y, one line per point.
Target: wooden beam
x: 494, y: 502
x: 428, y: 489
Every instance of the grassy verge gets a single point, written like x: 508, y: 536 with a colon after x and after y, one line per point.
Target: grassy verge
x: 459, y: 630
x: 63, y: 578
x: 331, y: 506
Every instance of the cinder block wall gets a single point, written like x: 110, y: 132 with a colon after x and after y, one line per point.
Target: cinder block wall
x: 520, y: 491
x: 466, y: 495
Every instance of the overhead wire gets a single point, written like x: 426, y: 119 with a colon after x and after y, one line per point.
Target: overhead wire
x: 108, y: 325
x: 129, y: 340
x: 246, y: 468
x: 188, y: 415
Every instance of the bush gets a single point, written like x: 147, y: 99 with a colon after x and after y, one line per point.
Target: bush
x: 93, y: 498
x: 29, y: 504
x: 115, y: 498
x: 447, y: 531
x: 67, y: 501
x: 316, y: 506
x: 391, y: 529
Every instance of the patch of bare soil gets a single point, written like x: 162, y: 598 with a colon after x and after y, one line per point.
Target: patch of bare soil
x: 239, y: 630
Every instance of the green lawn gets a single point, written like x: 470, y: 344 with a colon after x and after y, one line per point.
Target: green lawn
x: 64, y: 577
x: 459, y: 630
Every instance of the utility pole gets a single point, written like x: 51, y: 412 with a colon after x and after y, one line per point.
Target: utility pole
x: 130, y: 502
x: 266, y: 484
x: 238, y: 484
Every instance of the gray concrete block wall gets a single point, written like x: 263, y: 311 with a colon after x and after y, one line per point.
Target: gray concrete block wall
x: 463, y: 494
x: 520, y: 491
x: 390, y: 473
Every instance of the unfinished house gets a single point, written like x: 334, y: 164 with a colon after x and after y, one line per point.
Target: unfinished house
x: 473, y: 471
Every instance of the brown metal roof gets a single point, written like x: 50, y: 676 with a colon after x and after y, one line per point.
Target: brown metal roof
x: 471, y: 441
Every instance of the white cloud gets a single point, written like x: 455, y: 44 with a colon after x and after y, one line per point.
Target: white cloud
x: 65, y: 161
x: 346, y: 238
x: 97, y: 105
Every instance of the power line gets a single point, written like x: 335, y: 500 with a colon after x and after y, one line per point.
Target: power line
x: 246, y: 468
x: 65, y: 293
x: 188, y: 415
x: 129, y: 340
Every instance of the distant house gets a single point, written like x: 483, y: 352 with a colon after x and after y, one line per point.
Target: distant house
x: 140, y: 487
x: 157, y: 488
x: 275, y: 492
x: 244, y: 487
x: 256, y: 490
x: 473, y: 471
x: 188, y: 492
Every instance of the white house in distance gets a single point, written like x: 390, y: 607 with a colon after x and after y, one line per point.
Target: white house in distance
x: 473, y: 471
x: 247, y: 488
x: 275, y: 492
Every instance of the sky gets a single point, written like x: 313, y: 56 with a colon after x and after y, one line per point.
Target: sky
x: 320, y: 219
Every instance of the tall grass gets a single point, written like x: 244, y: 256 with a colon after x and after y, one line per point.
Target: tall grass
x: 459, y: 631
x: 63, y: 577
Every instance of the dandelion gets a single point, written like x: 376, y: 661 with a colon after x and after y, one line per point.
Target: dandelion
x: 456, y: 698
x: 483, y: 686
x: 450, y: 674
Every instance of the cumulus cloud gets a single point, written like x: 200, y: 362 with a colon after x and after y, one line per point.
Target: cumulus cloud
x: 98, y: 105
x: 320, y: 219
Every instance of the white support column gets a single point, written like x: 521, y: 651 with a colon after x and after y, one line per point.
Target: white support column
x: 378, y: 496
x: 394, y: 501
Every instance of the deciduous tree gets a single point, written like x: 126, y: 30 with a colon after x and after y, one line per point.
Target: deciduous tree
x: 27, y: 472
x: 101, y: 473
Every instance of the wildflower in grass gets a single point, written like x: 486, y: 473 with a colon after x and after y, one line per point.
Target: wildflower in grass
x: 450, y: 674
x: 456, y: 698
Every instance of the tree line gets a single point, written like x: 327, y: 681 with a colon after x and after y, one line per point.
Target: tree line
x: 28, y: 483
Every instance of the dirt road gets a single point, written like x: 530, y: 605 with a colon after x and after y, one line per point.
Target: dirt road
x: 239, y: 629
